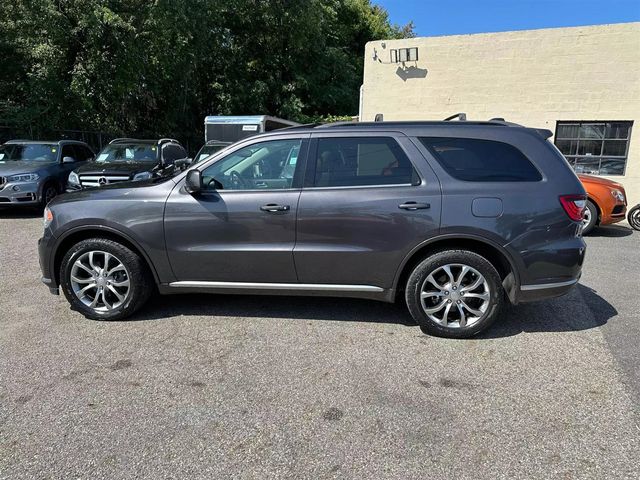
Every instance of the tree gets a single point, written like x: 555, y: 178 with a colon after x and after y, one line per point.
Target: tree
x: 158, y: 67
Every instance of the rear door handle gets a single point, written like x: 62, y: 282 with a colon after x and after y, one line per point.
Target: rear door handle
x: 414, y: 206
x: 272, y: 207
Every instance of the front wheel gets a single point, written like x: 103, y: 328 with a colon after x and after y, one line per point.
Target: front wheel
x: 49, y: 192
x: 454, y: 294
x: 104, y: 280
x: 634, y: 217
x: 590, y: 217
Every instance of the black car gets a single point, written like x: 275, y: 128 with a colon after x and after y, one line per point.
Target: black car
x: 451, y: 218
x: 130, y: 159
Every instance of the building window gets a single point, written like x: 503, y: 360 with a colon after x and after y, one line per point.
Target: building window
x: 598, y: 148
x: 402, y: 55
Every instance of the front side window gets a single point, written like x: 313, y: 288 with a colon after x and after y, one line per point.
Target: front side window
x: 598, y: 148
x: 29, y: 152
x: 362, y: 161
x: 266, y: 165
x: 474, y: 160
x: 128, y: 153
x: 207, y: 151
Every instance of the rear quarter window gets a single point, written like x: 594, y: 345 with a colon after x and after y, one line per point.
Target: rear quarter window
x: 474, y: 160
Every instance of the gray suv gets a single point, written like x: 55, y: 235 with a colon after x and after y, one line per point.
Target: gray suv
x: 33, y: 172
x: 453, y: 218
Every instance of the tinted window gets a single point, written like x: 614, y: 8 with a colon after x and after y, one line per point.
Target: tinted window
x: 261, y: 166
x: 82, y: 153
x: 475, y: 160
x: 344, y: 162
x: 68, y: 151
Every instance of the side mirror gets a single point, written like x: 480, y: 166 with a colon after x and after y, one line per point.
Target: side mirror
x: 68, y: 160
x: 193, y: 182
x: 183, y: 163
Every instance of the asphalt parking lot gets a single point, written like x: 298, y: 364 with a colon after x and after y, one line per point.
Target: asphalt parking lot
x: 276, y: 387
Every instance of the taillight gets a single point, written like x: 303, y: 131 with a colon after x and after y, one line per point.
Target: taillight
x: 574, y: 205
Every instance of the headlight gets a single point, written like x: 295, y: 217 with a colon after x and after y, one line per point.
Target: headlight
x: 142, y: 176
x: 73, y: 178
x: 47, y: 217
x: 618, y: 195
x: 23, y: 177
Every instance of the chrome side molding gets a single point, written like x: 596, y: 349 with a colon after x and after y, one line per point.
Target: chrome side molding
x: 320, y: 287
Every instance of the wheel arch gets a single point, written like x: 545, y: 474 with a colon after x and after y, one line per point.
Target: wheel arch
x: 79, y: 234
x: 493, y: 252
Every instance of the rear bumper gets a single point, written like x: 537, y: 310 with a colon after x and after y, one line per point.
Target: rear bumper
x: 543, y: 291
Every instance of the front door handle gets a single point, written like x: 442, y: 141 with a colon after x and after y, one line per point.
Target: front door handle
x: 272, y: 207
x: 414, y: 206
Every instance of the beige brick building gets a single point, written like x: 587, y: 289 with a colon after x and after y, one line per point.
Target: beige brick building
x: 582, y: 83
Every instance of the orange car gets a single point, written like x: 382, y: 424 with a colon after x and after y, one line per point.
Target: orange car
x: 607, y: 202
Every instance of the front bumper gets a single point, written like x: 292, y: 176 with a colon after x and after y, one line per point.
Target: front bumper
x: 22, y: 193
x: 45, y: 251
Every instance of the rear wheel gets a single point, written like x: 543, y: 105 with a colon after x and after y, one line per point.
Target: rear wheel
x: 454, y: 294
x: 105, y: 280
x: 590, y: 217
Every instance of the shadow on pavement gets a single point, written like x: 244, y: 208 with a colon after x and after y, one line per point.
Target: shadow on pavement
x: 20, y: 212
x: 611, y: 231
x: 259, y: 306
x: 582, y: 309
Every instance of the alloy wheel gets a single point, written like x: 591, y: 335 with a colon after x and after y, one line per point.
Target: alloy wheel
x: 455, y: 295
x: 586, y: 219
x: 100, y: 281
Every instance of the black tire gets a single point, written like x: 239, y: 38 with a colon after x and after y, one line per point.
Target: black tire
x: 430, y: 265
x: 141, y: 283
x: 49, y: 192
x: 634, y: 217
x: 592, y: 211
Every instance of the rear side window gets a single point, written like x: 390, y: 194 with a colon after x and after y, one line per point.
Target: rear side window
x: 474, y: 160
x: 362, y: 161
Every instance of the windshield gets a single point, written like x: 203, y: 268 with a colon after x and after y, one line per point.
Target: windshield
x: 29, y: 152
x: 208, y: 150
x: 128, y: 153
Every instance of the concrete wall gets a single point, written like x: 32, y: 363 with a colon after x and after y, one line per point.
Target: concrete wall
x: 532, y: 77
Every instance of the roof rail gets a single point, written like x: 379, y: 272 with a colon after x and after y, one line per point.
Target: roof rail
x: 298, y: 127
x: 460, y: 116
x: 123, y: 139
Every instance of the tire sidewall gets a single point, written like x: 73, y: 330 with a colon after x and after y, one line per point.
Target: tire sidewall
x: 594, y: 218
x: 46, y: 187
x: 634, y: 218
x: 139, y: 286
x: 439, y: 259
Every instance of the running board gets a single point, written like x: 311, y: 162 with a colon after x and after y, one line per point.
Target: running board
x: 312, y: 287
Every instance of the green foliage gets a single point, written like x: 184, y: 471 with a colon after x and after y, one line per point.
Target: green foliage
x: 157, y: 67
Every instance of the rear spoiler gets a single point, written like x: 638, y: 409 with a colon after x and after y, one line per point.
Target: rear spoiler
x: 543, y: 132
